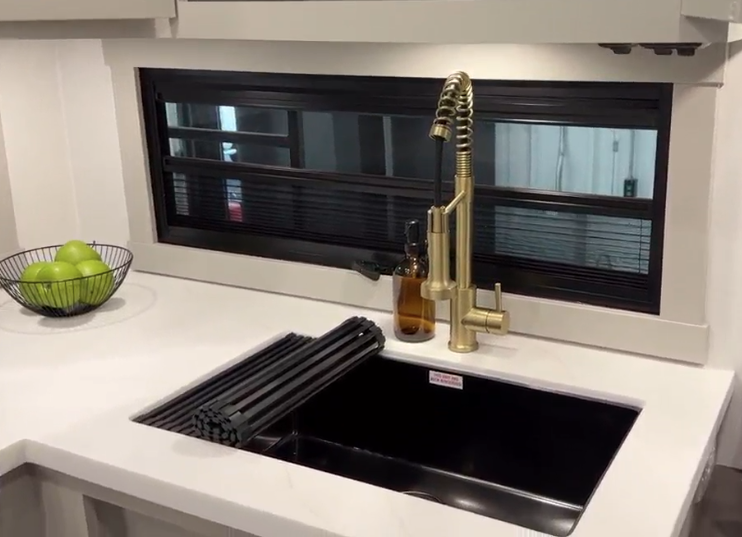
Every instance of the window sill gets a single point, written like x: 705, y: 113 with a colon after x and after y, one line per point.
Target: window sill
x: 574, y: 323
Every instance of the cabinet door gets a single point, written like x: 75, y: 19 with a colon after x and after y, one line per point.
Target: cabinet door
x: 20, y: 505
x: 75, y: 508
x: 66, y: 10
x: 115, y: 521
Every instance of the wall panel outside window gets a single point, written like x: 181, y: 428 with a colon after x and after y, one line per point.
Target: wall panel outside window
x: 8, y: 231
x: 570, y: 177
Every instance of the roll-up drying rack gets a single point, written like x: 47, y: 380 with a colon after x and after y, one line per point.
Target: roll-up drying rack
x: 235, y: 405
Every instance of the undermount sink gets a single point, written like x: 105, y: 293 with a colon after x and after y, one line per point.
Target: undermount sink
x: 521, y: 455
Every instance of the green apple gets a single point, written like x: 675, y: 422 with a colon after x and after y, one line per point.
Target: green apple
x: 32, y: 291
x: 61, y: 284
x: 74, y: 252
x: 97, y: 281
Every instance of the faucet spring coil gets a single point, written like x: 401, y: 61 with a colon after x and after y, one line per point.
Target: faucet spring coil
x: 457, y: 101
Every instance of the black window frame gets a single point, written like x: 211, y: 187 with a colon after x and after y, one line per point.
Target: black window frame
x: 608, y: 105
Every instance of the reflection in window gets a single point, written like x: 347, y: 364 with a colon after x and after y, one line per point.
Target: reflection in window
x: 231, y: 152
x: 234, y: 199
x: 227, y: 118
x: 196, y: 123
x: 180, y: 193
x: 344, y: 142
x: 559, y: 158
x: 583, y: 240
x: 395, y: 146
x: 583, y: 160
x: 580, y: 160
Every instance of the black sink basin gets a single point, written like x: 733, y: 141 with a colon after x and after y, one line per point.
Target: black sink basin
x: 524, y: 456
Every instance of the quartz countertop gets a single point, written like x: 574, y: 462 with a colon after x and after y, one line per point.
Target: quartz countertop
x: 69, y: 386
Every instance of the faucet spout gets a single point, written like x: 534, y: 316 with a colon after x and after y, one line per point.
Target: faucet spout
x: 456, y: 104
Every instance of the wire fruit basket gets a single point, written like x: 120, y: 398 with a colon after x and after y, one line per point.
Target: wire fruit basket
x: 66, y: 297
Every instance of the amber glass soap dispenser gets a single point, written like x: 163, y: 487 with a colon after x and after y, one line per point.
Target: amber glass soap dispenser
x: 414, y: 316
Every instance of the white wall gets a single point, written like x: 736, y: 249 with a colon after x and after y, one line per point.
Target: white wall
x: 35, y: 141
x: 724, y: 298
x: 8, y: 234
x: 95, y: 161
x: 57, y: 112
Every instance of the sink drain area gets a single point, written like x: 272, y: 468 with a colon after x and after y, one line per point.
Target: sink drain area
x: 421, y: 495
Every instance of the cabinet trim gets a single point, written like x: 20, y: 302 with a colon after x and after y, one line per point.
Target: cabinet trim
x: 45, y: 10
x: 429, y: 21
x: 720, y: 10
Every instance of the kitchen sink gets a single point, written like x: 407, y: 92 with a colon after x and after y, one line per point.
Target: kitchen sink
x: 517, y: 454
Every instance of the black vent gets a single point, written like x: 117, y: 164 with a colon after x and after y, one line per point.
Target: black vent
x: 327, y: 170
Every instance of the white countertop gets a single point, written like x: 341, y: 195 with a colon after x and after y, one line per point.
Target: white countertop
x: 68, y: 388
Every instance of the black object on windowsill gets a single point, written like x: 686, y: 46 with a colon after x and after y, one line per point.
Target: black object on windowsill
x: 370, y: 269
x: 271, y: 390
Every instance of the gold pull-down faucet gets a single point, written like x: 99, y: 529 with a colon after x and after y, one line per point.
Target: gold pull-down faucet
x: 456, y: 103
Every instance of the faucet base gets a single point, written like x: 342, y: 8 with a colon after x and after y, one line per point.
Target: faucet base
x: 463, y: 338
x: 470, y: 347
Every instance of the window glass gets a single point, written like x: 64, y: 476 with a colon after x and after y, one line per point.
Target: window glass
x: 344, y: 142
x: 568, y: 204
x: 585, y: 240
x: 227, y: 118
x: 231, y: 152
x: 180, y: 193
x: 581, y: 160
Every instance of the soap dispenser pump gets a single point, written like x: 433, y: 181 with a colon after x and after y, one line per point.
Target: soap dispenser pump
x: 414, y: 316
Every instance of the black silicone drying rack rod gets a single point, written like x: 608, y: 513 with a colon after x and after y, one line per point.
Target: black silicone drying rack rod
x: 215, y: 386
x: 219, y: 425
x: 229, y: 426
x: 312, y: 384
x: 236, y: 419
x: 251, y: 365
x: 176, y: 414
x: 279, y: 401
x: 295, y: 362
x: 323, y: 359
x: 310, y: 356
x: 259, y: 377
x: 235, y: 429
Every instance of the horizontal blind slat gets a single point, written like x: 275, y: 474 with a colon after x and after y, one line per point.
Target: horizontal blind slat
x: 378, y: 220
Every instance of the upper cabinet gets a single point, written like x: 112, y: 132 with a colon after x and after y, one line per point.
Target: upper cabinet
x: 692, y: 22
x: 459, y: 21
x: 84, y: 10
x: 722, y: 10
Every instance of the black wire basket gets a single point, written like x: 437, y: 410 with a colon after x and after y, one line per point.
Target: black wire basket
x: 69, y: 297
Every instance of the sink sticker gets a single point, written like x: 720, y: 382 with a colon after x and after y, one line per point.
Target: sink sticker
x: 446, y: 379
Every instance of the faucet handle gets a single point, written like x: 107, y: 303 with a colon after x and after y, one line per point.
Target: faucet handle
x: 499, y: 321
x: 498, y: 297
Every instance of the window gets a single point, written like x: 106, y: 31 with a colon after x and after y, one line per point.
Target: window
x: 570, y: 177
